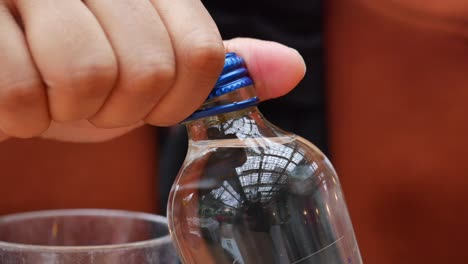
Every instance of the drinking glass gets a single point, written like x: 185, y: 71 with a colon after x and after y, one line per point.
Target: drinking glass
x: 85, y: 236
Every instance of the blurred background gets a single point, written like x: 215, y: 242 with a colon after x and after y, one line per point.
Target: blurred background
x: 396, y: 91
x: 384, y: 97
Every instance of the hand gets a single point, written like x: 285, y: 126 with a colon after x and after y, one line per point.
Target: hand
x: 109, y: 64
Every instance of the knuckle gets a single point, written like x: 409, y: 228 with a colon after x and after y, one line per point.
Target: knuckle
x: 80, y: 91
x: 206, y: 54
x: 23, y: 108
x: 150, y: 73
x: 92, y: 79
x: 160, y: 73
x: 86, y: 80
x: 22, y: 93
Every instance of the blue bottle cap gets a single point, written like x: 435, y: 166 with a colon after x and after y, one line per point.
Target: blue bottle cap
x: 234, y: 76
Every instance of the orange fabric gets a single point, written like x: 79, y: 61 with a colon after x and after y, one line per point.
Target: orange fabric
x: 398, y: 91
x: 119, y: 174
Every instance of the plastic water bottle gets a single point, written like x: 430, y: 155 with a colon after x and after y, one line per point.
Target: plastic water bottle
x: 251, y: 193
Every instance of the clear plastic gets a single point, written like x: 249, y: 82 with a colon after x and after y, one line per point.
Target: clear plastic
x: 251, y: 193
x: 85, y: 236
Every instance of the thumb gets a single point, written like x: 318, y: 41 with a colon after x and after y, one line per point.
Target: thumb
x: 275, y: 69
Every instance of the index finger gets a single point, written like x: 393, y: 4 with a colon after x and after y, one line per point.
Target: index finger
x: 199, y: 56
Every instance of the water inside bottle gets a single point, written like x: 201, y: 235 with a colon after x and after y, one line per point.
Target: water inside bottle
x: 261, y: 200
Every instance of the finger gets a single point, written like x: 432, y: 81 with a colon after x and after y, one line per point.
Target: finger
x: 199, y: 55
x: 265, y: 59
x: 145, y: 57
x: 72, y: 54
x: 23, y: 102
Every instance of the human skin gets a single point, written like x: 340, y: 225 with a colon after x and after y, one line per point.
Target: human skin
x: 93, y: 70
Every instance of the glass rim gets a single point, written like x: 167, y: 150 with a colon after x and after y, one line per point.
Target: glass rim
x: 9, y: 246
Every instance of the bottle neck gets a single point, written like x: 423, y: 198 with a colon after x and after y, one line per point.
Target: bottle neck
x: 235, y: 120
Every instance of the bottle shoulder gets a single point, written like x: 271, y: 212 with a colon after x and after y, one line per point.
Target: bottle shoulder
x: 285, y: 146
x: 264, y: 161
